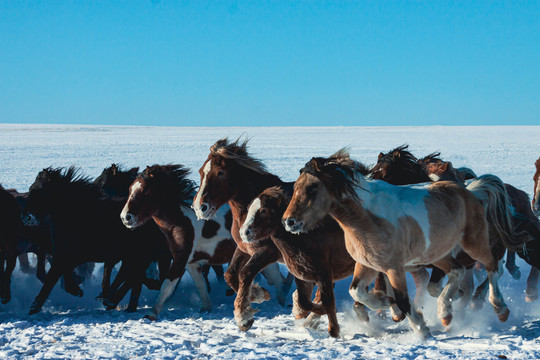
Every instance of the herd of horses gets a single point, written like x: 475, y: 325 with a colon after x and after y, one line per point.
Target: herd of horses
x: 339, y: 218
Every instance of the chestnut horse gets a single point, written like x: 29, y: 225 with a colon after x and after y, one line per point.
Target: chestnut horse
x: 390, y: 228
x: 536, y: 189
x: 318, y: 256
x: 231, y: 175
x: 163, y: 193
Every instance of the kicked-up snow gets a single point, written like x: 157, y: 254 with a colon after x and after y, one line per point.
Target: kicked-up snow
x: 72, y: 327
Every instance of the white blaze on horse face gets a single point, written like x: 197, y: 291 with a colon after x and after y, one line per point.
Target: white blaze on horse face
x: 136, y: 188
x: 434, y: 177
x: 255, y: 206
x: 197, y: 203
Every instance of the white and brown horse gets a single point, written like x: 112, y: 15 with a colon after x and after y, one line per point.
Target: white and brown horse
x: 230, y: 175
x: 163, y: 194
x: 391, y: 228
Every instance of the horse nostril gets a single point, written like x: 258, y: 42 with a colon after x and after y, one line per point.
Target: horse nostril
x: 204, y: 207
x: 291, y: 222
x: 128, y: 217
x: 247, y: 232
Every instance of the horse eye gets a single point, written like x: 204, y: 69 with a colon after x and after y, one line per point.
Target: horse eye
x: 220, y: 173
x: 263, y: 211
x: 311, y: 190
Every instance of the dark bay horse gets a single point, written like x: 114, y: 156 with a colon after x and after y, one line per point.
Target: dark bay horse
x: 10, y: 227
x: 163, y: 195
x: 230, y: 175
x: 318, y: 256
x: 86, y: 228
x: 390, y: 228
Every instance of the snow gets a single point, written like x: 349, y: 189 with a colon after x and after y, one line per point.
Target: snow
x: 72, y: 327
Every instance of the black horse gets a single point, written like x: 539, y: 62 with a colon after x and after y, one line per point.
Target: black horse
x: 86, y: 228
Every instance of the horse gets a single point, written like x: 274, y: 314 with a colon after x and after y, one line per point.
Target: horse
x: 10, y: 226
x: 86, y: 228
x: 523, y: 219
x: 318, y: 256
x: 115, y: 182
x: 536, y: 189
x: 390, y: 228
x: 163, y: 193
x: 230, y: 175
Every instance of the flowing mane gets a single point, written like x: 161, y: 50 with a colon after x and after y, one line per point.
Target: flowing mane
x: 340, y: 169
x: 237, y: 151
x: 172, y: 178
x: 68, y: 181
x: 431, y: 158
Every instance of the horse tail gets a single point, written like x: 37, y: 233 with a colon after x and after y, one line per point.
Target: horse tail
x: 490, y: 190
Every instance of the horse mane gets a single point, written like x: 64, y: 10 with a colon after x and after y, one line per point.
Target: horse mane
x: 70, y: 181
x: 466, y: 173
x: 237, y: 151
x: 176, y: 181
x: 343, y: 172
x: 433, y: 157
x: 537, y: 164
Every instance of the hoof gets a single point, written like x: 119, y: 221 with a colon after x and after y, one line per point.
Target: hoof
x: 531, y: 298
x: 361, y: 312
x: 398, y: 317
x: 34, y: 309
x: 246, y: 325
x: 334, y: 332
x: 150, y: 316
x: 445, y: 321
x: 504, y: 315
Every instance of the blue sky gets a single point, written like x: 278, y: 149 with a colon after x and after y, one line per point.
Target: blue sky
x: 239, y: 63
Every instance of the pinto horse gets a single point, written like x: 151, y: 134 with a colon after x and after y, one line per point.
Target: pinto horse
x: 163, y: 193
x: 231, y: 175
x: 318, y: 256
x: 86, y: 228
x: 390, y: 228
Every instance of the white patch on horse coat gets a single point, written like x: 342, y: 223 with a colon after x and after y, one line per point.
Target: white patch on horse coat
x: 136, y: 188
x: 197, y: 203
x: 434, y: 177
x: 255, y: 206
x: 392, y: 202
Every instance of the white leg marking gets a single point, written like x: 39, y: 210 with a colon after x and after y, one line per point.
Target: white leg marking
x: 167, y: 289
x: 444, y: 301
x: 195, y: 271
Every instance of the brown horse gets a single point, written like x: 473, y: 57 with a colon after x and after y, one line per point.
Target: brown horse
x: 231, y: 175
x: 523, y: 221
x: 536, y: 189
x: 163, y: 194
x: 390, y: 228
x: 318, y: 256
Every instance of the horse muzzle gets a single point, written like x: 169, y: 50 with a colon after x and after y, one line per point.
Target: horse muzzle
x: 204, y: 211
x: 129, y: 220
x: 293, y: 226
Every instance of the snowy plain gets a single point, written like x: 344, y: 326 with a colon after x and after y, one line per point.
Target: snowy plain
x: 72, y: 327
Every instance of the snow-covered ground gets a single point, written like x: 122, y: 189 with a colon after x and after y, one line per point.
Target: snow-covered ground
x: 72, y: 327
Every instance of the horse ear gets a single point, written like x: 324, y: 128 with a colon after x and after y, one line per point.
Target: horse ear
x: 114, y: 169
x: 380, y: 156
x: 133, y: 172
x: 396, y: 154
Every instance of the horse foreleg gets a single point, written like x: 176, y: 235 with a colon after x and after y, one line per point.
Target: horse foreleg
x: 435, y: 287
x: 243, y: 312
x: 238, y: 261
x: 205, y: 271
x: 397, y: 280
x: 455, y: 272
x: 531, y: 293
x: 50, y: 280
x: 467, y: 286
x: 41, y: 273
x: 421, y: 280
x: 511, y: 265
x: 363, y: 276
x: 195, y: 270
x: 274, y: 277
x: 329, y: 303
x: 5, y: 290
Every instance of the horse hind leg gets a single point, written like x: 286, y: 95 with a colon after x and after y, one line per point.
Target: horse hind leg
x: 375, y: 300
x: 196, y: 273
x: 455, y: 273
x: 421, y: 280
x: 531, y: 294
x: 5, y: 288
x: 467, y: 286
x: 399, y: 285
x: 274, y: 278
x: 511, y: 266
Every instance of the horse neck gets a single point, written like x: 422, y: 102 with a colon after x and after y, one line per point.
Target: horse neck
x: 247, y: 189
x: 172, y: 215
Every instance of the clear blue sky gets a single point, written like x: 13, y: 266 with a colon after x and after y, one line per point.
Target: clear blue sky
x: 190, y: 63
